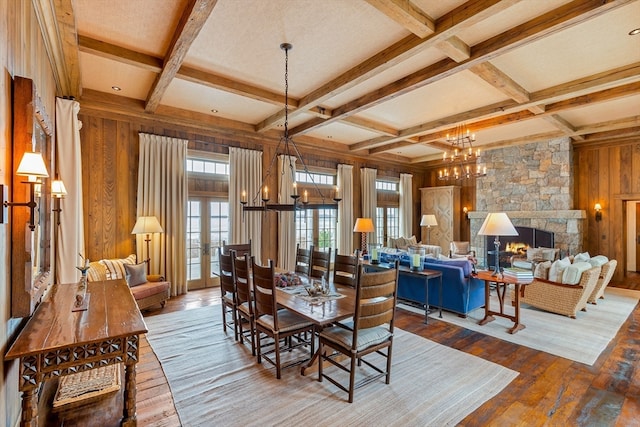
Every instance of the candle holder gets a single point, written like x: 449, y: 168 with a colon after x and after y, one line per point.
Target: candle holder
x: 81, y: 302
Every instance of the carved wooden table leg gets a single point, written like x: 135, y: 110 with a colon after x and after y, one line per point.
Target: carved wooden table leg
x: 29, y: 408
x: 129, y: 410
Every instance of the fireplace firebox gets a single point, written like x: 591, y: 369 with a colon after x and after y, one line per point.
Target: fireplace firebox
x: 527, y: 237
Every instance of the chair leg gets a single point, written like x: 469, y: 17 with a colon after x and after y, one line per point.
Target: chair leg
x: 253, y: 337
x: 320, y: 359
x: 259, y: 346
x: 224, y: 317
x: 352, y: 377
x: 276, y: 339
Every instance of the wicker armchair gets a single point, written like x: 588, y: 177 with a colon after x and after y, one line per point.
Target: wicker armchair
x: 605, y: 277
x: 561, y: 298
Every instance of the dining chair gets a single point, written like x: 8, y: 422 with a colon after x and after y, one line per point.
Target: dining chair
x: 370, y: 332
x: 320, y: 264
x: 228, y: 292
x: 303, y: 260
x: 241, y: 249
x: 244, y: 299
x: 345, y: 270
x: 281, y: 325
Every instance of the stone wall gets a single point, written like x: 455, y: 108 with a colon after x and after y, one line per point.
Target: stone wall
x: 533, y: 184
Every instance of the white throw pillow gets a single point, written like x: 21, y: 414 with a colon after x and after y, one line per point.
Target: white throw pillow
x: 598, y: 260
x: 572, y: 274
x: 582, y: 257
x: 557, y: 268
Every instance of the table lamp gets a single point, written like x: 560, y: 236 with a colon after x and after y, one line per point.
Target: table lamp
x: 364, y: 226
x: 497, y: 224
x: 428, y: 221
x: 147, y: 225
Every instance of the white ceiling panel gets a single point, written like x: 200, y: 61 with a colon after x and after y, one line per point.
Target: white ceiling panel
x: 187, y: 95
x: 604, y: 111
x: 343, y: 133
x: 101, y: 74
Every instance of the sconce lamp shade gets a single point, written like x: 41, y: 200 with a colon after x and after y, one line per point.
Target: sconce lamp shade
x: 147, y: 225
x: 428, y: 220
x: 32, y: 164
x: 363, y: 225
x: 58, y: 189
x: 598, y: 209
x: 497, y: 224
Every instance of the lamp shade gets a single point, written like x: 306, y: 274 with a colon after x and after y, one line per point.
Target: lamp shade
x: 58, y: 189
x: 147, y: 225
x: 428, y: 220
x: 497, y: 224
x: 32, y: 164
x: 363, y: 225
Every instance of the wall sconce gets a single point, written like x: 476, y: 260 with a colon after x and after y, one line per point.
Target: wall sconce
x: 466, y: 213
x: 58, y: 191
x: 598, y: 209
x: 32, y: 166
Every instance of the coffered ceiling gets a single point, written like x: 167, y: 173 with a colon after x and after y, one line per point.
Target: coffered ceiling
x: 387, y: 78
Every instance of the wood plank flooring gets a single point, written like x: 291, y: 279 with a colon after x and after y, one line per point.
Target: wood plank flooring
x: 550, y: 390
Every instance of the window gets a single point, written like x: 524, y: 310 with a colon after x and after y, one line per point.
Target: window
x: 387, y: 223
x: 317, y: 227
x: 315, y: 177
x: 207, y: 166
x: 386, y: 185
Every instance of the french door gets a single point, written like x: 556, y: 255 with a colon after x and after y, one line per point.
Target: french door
x: 207, y: 227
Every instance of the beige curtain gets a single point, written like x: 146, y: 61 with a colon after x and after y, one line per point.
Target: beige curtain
x: 286, y: 223
x: 369, y: 198
x: 70, y: 232
x: 245, y: 174
x: 345, y: 210
x: 162, y: 191
x: 406, y: 205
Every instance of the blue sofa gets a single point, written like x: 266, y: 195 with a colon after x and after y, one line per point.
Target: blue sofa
x: 460, y: 294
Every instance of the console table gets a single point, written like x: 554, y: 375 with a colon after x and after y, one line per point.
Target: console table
x: 502, y: 283
x: 57, y: 341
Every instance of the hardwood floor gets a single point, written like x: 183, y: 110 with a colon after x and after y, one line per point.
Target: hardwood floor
x: 550, y: 390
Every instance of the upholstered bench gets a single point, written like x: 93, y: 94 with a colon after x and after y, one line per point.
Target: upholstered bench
x: 147, y: 290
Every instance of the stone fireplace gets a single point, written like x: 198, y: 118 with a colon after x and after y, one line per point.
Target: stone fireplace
x: 533, y: 184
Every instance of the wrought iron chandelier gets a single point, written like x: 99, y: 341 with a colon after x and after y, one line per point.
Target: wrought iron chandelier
x: 462, y: 157
x: 287, y: 146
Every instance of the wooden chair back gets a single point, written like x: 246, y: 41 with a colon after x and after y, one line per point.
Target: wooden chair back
x: 345, y: 270
x: 264, y: 292
x: 321, y: 264
x: 227, y: 281
x: 303, y: 260
x: 242, y: 276
x: 376, y: 295
x: 242, y: 249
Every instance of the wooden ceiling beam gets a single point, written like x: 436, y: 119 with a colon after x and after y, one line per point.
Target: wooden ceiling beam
x: 57, y: 23
x: 499, y: 80
x: 544, y: 25
x: 191, y: 22
x: 405, y: 13
x: 448, y: 25
x: 455, y: 49
x: 562, y: 124
x: 553, y: 100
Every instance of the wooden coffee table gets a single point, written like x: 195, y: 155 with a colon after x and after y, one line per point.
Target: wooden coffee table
x: 502, y: 283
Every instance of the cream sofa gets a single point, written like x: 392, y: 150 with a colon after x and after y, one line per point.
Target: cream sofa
x: 147, y: 290
x: 403, y: 244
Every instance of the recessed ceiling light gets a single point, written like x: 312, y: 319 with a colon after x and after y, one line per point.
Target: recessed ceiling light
x: 634, y: 32
x: 116, y: 88
x: 214, y: 111
x: 329, y: 136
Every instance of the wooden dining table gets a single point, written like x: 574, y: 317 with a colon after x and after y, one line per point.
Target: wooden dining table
x: 321, y: 314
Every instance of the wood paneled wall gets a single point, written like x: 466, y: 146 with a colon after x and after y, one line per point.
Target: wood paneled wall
x: 609, y: 174
x: 110, y: 164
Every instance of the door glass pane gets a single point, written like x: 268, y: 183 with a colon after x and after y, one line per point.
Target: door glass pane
x: 327, y: 221
x: 380, y: 231
x: 219, y: 226
x: 194, y: 245
x: 393, y: 223
x: 304, y: 228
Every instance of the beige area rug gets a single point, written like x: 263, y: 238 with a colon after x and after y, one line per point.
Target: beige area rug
x: 215, y: 381
x: 581, y: 339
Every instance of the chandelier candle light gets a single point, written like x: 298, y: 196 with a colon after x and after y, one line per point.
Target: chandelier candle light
x: 461, y: 155
x: 286, y: 146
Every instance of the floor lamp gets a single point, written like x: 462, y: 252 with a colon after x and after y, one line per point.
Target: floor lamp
x: 147, y: 225
x: 364, y: 226
x: 497, y: 224
x: 428, y: 221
